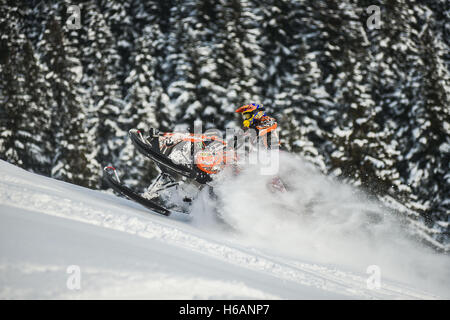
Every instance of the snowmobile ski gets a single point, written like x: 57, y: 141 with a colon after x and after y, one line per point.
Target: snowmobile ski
x: 111, y: 176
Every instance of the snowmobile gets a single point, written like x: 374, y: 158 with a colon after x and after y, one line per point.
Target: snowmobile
x: 187, y: 162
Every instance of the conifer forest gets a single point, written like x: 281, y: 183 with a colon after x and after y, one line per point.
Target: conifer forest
x: 363, y: 98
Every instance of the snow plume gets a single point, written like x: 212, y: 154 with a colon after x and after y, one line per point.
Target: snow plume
x: 324, y: 221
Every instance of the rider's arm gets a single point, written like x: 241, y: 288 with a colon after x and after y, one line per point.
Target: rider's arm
x: 266, y: 125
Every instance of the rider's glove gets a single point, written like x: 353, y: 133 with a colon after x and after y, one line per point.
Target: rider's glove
x: 246, y: 123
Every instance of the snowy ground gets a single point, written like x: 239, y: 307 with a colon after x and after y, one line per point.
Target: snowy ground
x: 124, y: 251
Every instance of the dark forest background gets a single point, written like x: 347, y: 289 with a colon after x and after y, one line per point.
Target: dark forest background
x: 367, y: 106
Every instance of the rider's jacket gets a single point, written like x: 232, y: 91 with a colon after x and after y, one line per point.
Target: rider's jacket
x: 265, y: 127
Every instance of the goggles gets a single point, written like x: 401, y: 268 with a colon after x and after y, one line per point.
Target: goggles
x: 247, y: 115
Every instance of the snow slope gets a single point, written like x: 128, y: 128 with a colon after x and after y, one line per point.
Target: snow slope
x: 124, y: 251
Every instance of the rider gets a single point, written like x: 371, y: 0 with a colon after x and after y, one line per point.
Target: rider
x: 255, y: 118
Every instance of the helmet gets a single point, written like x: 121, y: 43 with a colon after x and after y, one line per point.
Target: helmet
x: 249, y: 110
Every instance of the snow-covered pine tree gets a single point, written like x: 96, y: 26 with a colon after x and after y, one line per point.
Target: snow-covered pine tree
x: 184, y: 107
x: 238, y: 55
x: 117, y: 15
x: 23, y: 116
x: 277, y: 35
x: 396, y: 77
x: 143, y: 102
x: 362, y: 151
x: 292, y: 74
x: 209, y: 86
x: 73, y: 159
x: 428, y: 159
x: 101, y: 63
x: 150, y: 74
x: 399, y: 71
